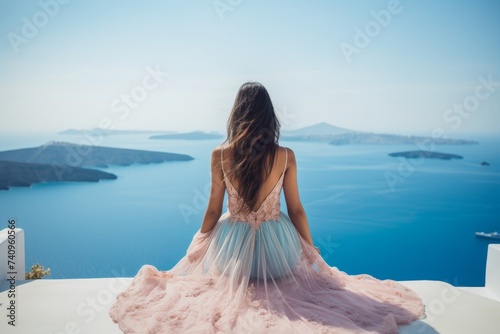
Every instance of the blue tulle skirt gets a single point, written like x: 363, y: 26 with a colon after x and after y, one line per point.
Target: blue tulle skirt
x: 276, y: 247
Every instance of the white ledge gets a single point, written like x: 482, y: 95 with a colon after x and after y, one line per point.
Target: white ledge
x: 79, y: 306
x: 72, y: 306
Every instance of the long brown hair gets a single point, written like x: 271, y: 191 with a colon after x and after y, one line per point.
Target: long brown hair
x: 253, y: 133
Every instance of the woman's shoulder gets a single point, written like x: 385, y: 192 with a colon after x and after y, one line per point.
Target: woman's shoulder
x: 217, y: 153
x: 287, y: 150
x: 217, y: 149
x: 222, y: 148
x: 288, y: 155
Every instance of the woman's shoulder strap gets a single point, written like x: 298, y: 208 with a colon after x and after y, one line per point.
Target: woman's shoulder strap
x: 286, y: 159
x: 222, y: 160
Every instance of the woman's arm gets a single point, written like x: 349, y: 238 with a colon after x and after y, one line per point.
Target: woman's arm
x: 217, y: 187
x: 296, y: 211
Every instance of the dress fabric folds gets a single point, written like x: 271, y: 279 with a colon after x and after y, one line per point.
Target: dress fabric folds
x: 254, y: 273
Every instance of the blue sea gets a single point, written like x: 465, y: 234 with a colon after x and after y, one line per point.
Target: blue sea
x: 368, y: 212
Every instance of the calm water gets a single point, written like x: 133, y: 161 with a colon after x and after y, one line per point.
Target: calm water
x: 422, y: 228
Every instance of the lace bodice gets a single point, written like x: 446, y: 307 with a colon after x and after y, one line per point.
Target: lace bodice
x: 268, y: 210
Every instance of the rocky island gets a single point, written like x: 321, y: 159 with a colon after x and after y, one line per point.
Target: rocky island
x: 196, y: 135
x: 75, y: 155
x: 425, y: 154
x: 324, y: 132
x: 59, y: 162
x: 389, y: 139
x: 22, y: 174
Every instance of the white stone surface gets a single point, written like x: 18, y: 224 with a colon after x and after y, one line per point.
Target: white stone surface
x: 453, y: 310
x: 66, y: 306
x: 80, y: 306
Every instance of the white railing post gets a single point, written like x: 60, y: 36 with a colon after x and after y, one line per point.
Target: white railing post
x: 492, y: 279
x: 13, y: 260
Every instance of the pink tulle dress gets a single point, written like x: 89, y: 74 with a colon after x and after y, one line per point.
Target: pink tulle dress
x: 254, y: 273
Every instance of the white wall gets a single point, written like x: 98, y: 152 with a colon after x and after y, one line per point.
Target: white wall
x: 493, y: 269
x: 19, y: 258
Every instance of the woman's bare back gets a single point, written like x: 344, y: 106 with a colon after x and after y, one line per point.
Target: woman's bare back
x: 279, y: 166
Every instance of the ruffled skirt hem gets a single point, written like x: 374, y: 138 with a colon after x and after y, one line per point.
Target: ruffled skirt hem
x: 238, y: 279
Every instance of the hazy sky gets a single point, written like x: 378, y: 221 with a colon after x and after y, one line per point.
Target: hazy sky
x: 390, y: 66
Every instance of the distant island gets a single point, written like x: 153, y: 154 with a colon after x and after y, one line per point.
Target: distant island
x: 196, y: 135
x: 22, y: 174
x: 60, y: 161
x: 321, y: 132
x: 90, y: 156
x: 426, y: 154
x: 317, y: 132
x: 324, y: 132
x: 108, y: 132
